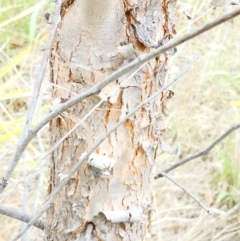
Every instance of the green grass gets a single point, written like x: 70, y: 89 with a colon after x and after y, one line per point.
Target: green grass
x: 229, y: 176
x: 17, y: 30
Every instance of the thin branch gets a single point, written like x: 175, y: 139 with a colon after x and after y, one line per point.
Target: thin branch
x: 86, y: 155
x: 200, y: 153
x: 98, y: 87
x: 188, y: 192
x: 25, y: 197
x: 44, y: 62
x: 14, y: 213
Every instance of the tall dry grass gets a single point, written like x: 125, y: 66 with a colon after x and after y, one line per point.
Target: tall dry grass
x: 205, y: 105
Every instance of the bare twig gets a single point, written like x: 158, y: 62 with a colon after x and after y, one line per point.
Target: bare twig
x: 44, y: 62
x: 14, y: 213
x: 200, y: 153
x: 86, y: 155
x: 25, y: 197
x: 188, y: 192
x: 98, y: 87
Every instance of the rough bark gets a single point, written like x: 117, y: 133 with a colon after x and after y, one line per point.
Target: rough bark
x: 94, y: 38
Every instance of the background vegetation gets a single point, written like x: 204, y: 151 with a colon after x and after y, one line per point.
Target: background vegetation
x: 206, y: 103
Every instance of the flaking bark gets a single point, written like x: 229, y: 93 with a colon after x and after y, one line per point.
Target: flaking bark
x: 93, y: 39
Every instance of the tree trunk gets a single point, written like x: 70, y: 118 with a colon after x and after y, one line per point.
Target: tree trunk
x: 111, y: 192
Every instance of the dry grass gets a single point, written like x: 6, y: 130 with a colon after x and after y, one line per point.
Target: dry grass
x: 22, y: 41
x: 206, y: 104
x: 203, y: 108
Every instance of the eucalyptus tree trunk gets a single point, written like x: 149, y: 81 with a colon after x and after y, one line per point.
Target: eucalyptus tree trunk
x: 109, y: 198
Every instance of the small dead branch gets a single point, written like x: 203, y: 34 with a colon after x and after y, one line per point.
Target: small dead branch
x: 188, y: 192
x: 200, y: 153
x: 43, y: 66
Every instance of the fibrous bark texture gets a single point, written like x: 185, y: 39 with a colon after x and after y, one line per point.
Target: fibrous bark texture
x: 112, y: 190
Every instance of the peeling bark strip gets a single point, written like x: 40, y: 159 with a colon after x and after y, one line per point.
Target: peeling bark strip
x: 112, y: 190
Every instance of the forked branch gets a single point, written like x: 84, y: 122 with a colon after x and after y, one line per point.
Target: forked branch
x: 200, y: 153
